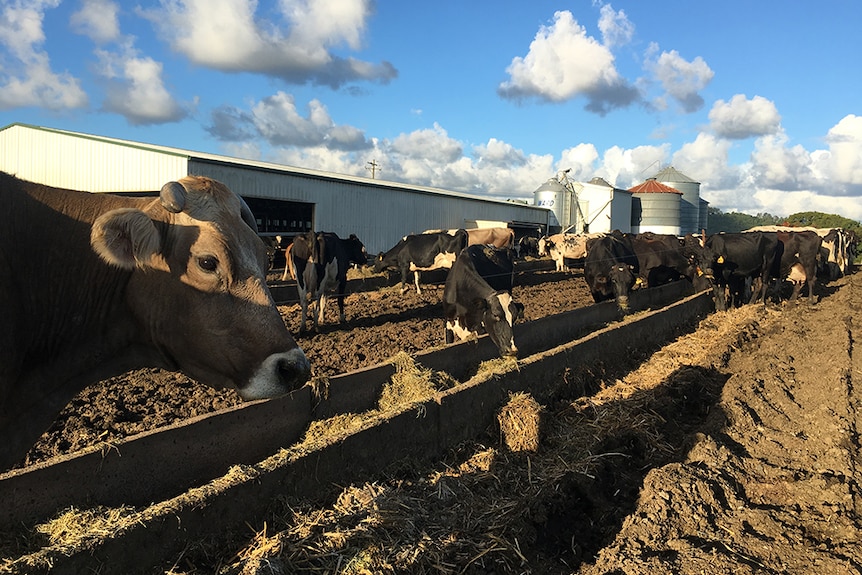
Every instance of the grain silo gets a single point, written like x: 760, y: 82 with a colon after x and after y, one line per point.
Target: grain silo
x: 557, y: 197
x: 655, y: 208
x: 689, y: 209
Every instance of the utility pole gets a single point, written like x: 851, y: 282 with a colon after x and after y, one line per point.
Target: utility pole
x: 372, y: 167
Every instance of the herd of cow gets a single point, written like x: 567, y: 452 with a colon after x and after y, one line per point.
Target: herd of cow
x: 95, y: 285
x: 738, y: 267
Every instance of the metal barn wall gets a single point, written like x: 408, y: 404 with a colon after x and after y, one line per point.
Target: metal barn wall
x: 78, y: 162
x: 379, y: 213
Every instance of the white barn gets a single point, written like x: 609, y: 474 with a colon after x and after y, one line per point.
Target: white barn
x: 285, y: 200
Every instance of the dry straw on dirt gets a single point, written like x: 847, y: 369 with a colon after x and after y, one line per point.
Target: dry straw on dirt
x: 519, y: 423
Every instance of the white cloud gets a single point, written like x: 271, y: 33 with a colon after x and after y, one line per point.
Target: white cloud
x: 26, y: 79
x: 706, y: 161
x: 135, y: 89
x: 226, y: 35
x: 680, y: 79
x: 742, y: 118
x: 776, y: 165
x: 428, y: 143
x: 277, y: 119
x: 580, y: 160
x: 843, y: 162
x: 625, y: 168
x: 97, y: 19
x: 616, y: 28
x: 498, y: 154
x: 563, y: 62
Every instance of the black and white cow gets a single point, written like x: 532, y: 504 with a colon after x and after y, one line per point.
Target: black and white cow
x: 799, y: 261
x: 319, y: 262
x: 611, y: 268
x: 662, y: 258
x: 422, y: 252
x: 737, y: 260
x: 477, y: 297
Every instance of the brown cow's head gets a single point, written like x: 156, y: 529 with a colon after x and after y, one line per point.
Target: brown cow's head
x: 197, y: 285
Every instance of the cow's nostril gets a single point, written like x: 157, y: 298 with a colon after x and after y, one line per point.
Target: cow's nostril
x: 294, y: 369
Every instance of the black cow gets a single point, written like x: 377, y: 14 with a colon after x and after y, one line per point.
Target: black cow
x: 422, y: 252
x: 528, y: 246
x: 799, y: 261
x: 611, y: 268
x: 319, y: 262
x: 737, y: 260
x: 663, y: 258
x: 478, y: 297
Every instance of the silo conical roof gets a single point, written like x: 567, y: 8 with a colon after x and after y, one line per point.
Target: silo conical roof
x: 671, y: 174
x: 652, y: 186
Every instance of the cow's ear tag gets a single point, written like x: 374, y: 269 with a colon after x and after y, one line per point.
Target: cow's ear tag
x: 126, y: 238
x: 720, y: 259
x: 639, y: 281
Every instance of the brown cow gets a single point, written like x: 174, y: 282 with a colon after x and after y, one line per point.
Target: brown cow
x: 94, y: 285
x: 497, y: 237
x: 562, y: 247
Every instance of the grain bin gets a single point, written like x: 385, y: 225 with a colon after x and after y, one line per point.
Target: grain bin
x: 559, y: 199
x: 689, y: 211
x: 655, y: 208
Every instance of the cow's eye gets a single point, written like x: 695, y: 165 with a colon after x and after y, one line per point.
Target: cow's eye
x: 208, y: 263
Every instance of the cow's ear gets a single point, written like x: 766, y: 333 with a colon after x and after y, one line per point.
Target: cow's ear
x: 519, y: 307
x: 125, y: 238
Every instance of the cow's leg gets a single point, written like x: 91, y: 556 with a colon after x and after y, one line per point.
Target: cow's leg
x: 321, y: 308
x: 718, y: 291
x: 303, y: 306
x: 342, y: 288
x: 404, y: 272
x: 416, y: 281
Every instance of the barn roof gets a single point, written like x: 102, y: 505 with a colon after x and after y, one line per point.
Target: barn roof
x: 653, y: 186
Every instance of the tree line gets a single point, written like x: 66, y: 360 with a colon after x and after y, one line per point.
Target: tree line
x: 718, y: 221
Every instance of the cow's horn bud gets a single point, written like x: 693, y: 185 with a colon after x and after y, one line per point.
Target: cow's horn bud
x: 173, y: 197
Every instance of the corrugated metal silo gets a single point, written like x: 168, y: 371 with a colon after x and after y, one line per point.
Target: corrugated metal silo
x: 656, y: 208
x: 556, y: 197
x: 703, y: 215
x: 689, y: 212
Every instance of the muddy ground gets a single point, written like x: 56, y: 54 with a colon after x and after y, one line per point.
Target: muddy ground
x: 380, y: 323
x: 733, y: 449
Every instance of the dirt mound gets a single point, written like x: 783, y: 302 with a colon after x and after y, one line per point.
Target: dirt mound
x: 772, y: 485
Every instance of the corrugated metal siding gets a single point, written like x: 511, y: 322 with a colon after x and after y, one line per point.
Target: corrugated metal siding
x: 82, y: 163
x: 378, y: 214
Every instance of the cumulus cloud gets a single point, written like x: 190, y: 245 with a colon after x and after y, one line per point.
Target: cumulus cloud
x: 562, y: 63
x: 498, y: 153
x: 97, y: 19
x: 843, y: 162
x: 428, y: 143
x: 680, y: 79
x: 297, y: 47
x: 742, y: 118
x: 616, y: 28
x: 26, y: 77
x: 135, y: 88
x: 776, y: 165
x: 278, y: 120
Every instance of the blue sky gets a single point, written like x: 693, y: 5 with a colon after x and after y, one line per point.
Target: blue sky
x: 758, y: 101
